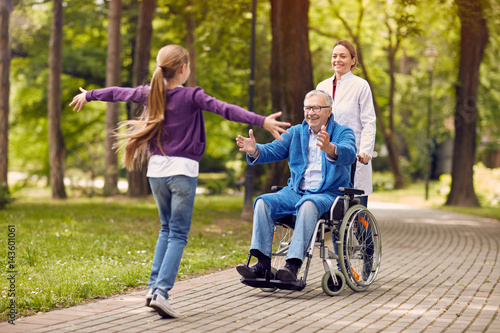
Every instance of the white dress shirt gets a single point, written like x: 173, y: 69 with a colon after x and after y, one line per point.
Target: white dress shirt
x: 312, y: 176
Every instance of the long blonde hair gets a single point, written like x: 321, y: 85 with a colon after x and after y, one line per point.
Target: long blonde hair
x: 139, y: 132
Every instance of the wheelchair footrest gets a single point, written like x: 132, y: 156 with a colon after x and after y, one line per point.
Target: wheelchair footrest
x: 257, y: 282
x: 263, y: 283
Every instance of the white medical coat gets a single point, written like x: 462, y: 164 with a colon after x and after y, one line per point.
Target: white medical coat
x: 353, y: 107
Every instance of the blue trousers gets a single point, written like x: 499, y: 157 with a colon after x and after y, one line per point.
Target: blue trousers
x: 263, y: 229
x: 174, y: 197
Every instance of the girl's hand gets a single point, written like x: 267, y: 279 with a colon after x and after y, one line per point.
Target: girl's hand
x: 79, y: 100
x: 248, y: 145
x: 274, y: 126
x: 324, y: 143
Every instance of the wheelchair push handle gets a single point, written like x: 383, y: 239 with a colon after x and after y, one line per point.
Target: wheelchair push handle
x: 351, y: 191
x: 358, y: 160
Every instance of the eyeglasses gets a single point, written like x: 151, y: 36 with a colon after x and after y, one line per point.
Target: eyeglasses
x: 314, y: 108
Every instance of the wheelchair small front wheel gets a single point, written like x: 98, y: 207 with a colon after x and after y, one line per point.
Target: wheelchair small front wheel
x: 328, y: 285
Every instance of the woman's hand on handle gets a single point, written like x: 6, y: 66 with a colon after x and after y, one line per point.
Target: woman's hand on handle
x: 275, y: 127
x: 363, y: 158
x: 79, y: 100
x: 247, y: 145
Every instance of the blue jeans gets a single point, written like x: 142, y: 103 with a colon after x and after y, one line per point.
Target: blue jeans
x: 174, y: 197
x: 263, y: 229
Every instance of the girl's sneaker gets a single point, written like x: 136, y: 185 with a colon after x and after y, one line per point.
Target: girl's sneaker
x: 149, y: 296
x: 162, y: 306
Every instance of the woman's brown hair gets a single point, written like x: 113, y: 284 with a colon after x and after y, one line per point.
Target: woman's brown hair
x: 169, y: 60
x: 351, y: 49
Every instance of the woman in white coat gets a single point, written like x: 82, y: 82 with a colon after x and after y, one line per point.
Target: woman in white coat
x: 353, y: 107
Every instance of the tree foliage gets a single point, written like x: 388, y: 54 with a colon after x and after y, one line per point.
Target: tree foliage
x: 221, y: 31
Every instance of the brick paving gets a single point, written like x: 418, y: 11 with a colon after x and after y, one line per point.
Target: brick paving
x: 440, y: 272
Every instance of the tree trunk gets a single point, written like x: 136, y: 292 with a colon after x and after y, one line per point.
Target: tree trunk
x: 137, y: 181
x: 291, y: 68
x: 391, y: 59
x: 386, y: 132
x: 390, y: 135
x: 190, y: 40
x: 474, y: 37
x: 113, y: 78
x: 5, y: 10
x: 57, y: 150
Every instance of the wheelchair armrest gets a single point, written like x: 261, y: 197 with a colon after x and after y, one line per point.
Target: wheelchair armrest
x: 351, y: 191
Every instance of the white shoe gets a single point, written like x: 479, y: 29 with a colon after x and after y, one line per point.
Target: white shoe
x: 149, y: 296
x: 162, y: 306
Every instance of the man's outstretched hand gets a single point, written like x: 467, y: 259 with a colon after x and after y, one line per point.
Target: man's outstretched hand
x: 247, y: 145
x: 324, y: 143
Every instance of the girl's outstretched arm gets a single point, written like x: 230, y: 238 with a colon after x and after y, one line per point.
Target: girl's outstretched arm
x: 79, y: 100
x: 274, y: 126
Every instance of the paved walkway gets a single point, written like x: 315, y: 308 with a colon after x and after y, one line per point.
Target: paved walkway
x: 440, y: 272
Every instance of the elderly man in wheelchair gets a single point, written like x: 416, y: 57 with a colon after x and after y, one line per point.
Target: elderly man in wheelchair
x: 320, y: 154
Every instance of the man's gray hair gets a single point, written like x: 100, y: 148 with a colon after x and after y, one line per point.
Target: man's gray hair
x: 328, y: 98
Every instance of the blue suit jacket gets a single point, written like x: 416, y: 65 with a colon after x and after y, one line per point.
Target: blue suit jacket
x: 294, y: 147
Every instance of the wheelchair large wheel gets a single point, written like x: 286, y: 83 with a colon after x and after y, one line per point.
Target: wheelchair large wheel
x: 328, y: 285
x: 360, y: 248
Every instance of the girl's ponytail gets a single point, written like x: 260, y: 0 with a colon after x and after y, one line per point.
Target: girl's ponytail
x: 169, y: 60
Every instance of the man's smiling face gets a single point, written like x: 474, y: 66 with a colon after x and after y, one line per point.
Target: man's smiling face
x: 316, y: 120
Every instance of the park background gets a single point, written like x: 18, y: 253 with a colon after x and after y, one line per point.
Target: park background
x: 81, y: 236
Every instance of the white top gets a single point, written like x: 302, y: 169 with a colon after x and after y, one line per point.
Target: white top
x: 353, y: 107
x: 166, y: 166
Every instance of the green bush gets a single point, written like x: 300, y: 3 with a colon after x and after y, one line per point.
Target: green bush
x: 383, y: 181
x: 217, y: 183
x: 216, y: 186
x: 486, y: 185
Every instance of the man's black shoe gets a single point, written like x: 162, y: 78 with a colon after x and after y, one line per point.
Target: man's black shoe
x: 287, y: 273
x: 256, y: 271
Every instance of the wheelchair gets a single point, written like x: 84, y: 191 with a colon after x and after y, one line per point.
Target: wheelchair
x: 357, y: 248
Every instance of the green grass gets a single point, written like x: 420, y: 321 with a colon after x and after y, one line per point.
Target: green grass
x: 72, y: 251
x: 414, y: 195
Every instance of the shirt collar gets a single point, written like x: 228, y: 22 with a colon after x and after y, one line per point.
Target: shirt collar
x: 311, y: 131
x: 344, y: 77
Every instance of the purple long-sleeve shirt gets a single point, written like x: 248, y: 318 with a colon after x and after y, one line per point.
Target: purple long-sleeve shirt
x: 184, y: 127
